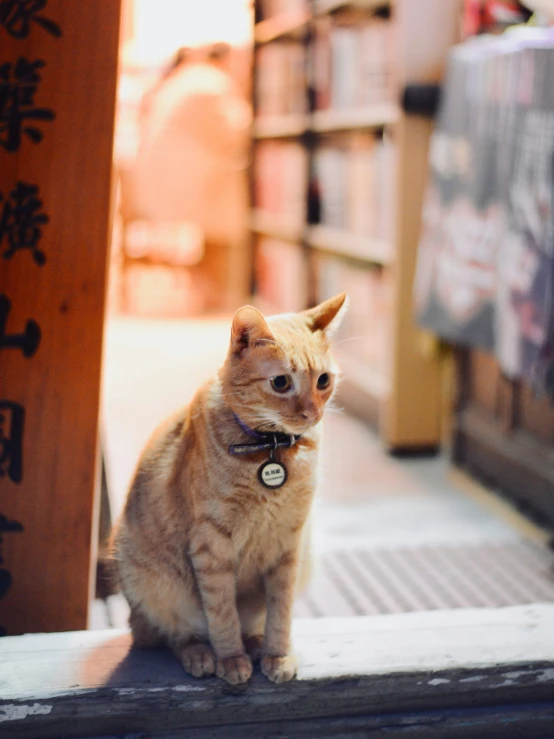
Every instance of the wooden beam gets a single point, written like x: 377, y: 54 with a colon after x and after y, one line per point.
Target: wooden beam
x: 466, y: 673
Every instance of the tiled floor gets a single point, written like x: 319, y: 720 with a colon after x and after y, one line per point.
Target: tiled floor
x: 389, y: 535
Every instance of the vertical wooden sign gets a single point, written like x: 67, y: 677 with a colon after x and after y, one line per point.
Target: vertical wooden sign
x: 58, y: 69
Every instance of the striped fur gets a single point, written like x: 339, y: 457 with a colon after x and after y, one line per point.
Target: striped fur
x: 209, y: 559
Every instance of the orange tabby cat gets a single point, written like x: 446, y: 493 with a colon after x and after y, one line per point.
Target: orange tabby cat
x: 209, y: 543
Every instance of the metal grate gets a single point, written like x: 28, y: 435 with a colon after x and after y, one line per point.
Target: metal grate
x: 365, y: 581
x: 361, y: 582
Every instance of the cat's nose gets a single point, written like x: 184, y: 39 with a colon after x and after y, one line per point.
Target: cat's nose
x: 311, y: 413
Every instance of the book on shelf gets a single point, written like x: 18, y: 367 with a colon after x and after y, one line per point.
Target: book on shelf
x: 329, y: 174
x: 281, y: 275
x: 281, y: 79
x: 360, y: 211
x: 353, y: 65
x: 280, y: 174
x: 321, y: 63
x: 355, y: 182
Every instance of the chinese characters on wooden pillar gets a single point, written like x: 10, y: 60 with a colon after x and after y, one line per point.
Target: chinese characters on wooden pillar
x: 21, y: 218
x: 17, y: 16
x: 57, y: 98
x: 11, y: 440
x: 19, y: 227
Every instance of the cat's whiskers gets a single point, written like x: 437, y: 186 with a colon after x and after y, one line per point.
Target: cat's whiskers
x: 334, y: 410
x: 343, y: 341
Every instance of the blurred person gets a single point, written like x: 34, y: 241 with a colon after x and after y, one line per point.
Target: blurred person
x: 191, y: 166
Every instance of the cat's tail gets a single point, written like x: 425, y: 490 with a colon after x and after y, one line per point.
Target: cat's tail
x: 108, y: 581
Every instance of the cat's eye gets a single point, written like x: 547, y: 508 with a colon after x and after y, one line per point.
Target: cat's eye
x: 281, y: 383
x: 323, y: 381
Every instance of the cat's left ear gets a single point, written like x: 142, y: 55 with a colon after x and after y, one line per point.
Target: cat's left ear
x: 327, y: 315
x: 249, y: 327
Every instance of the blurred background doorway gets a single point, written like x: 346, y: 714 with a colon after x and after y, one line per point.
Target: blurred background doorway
x: 242, y: 161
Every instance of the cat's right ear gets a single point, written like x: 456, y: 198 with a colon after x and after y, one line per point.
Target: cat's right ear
x: 249, y: 328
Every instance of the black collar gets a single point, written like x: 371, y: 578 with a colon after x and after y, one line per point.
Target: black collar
x: 267, y: 440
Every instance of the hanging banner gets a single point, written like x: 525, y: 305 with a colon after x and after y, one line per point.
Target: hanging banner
x: 485, y: 260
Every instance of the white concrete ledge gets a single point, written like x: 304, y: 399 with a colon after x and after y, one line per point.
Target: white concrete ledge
x: 465, y: 673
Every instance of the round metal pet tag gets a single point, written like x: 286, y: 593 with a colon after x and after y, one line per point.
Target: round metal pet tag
x: 272, y: 474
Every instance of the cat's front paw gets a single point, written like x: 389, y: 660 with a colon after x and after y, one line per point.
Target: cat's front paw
x: 234, y: 670
x: 198, y: 660
x: 280, y: 669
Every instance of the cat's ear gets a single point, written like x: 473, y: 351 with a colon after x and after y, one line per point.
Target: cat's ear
x: 249, y: 327
x: 327, y: 315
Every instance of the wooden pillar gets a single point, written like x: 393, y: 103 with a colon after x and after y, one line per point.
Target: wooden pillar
x: 426, y: 31
x: 58, y: 70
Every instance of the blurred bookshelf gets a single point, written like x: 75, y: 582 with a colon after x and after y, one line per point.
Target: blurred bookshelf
x: 337, y: 180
